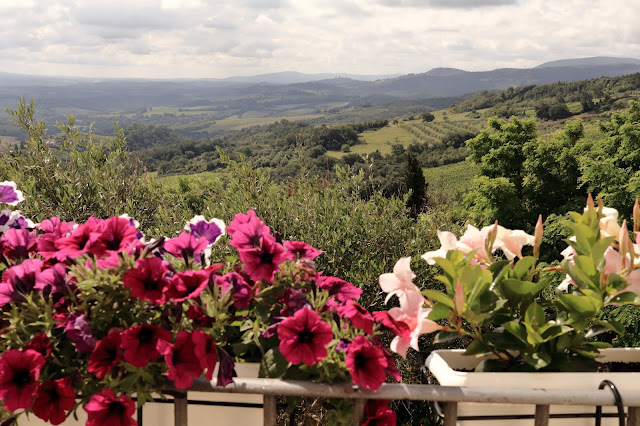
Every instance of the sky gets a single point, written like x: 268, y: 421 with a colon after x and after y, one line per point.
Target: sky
x: 217, y: 39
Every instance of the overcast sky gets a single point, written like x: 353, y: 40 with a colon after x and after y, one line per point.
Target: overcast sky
x: 216, y: 38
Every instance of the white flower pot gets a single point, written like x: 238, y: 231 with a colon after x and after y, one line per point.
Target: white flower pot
x: 445, y: 365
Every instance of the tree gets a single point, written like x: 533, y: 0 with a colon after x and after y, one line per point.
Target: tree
x: 427, y: 117
x: 416, y: 183
x: 586, y: 100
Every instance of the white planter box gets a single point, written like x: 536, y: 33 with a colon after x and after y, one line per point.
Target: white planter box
x: 444, y: 363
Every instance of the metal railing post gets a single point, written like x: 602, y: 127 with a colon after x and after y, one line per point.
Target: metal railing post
x: 450, y: 413
x: 542, y: 415
x: 633, y: 416
x: 358, y: 411
x: 180, y: 407
x: 270, y: 411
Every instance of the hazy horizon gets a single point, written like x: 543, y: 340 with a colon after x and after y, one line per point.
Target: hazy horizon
x: 219, y: 39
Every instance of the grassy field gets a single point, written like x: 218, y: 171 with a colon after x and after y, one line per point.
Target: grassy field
x: 454, y: 178
x: 406, y: 132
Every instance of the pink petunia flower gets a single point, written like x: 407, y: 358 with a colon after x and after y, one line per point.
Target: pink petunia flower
x: 105, y: 355
x: 206, y: 351
x: 187, y: 285
x: 147, y: 281
x: 19, y: 374
x: 304, y: 337
x: 84, y: 239
x: 19, y: 280
x: 245, y: 230
x: 262, y: 263
x: 241, y: 291
x: 340, y: 289
x: 117, y: 235
x: 358, y: 315
x: 181, y: 359
x: 185, y: 246
x: 54, y: 400
x: 104, y: 408
x: 378, y: 413
x: 139, y: 343
x: 18, y: 243
x: 300, y: 250
x: 366, y: 363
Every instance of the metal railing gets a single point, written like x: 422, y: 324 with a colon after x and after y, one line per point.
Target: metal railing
x: 450, y: 395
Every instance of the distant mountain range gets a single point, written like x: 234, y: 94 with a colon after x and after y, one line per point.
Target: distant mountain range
x: 281, y: 94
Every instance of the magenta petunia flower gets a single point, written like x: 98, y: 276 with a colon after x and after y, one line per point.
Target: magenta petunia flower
x: 391, y: 369
x: 378, y: 413
x: 358, y: 315
x: 206, y: 351
x: 185, y: 245
x: 53, y: 280
x: 366, y: 363
x: 184, y: 364
x: 187, y: 285
x: 105, y: 408
x: 9, y: 194
x: 199, y: 317
x: 54, y: 400
x: 300, y: 250
x: 19, y: 280
x: 262, y: 263
x: 304, y: 337
x: 84, y: 239
x: 338, y: 288
x: 18, y: 243
x: 245, y: 230
x: 118, y: 235
x: 54, y: 229
x: 105, y: 355
x: 147, y: 281
x: 241, y: 291
x: 139, y: 343
x: 19, y: 374
x: 226, y: 370
x: 41, y: 344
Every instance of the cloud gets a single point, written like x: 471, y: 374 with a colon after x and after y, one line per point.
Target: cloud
x: 447, y: 4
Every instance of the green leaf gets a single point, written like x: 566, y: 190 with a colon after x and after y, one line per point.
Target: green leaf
x: 477, y: 348
x: 523, y: 265
x: 516, y: 329
x: 598, y: 249
x: 446, y: 266
x: 273, y: 364
x: 626, y: 298
x: 537, y: 360
x: 439, y: 311
x: 534, y: 316
x: 575, y: 303
x: 438, y: 296
x: 445, y: 336
x: 555, y: 331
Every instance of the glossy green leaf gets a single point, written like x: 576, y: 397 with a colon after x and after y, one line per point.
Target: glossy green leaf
x: 439, y: 311
x: 522, y: 267
x: 438, y: 296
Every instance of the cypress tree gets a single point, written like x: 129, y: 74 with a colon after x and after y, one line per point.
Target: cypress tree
x: 414, y: 181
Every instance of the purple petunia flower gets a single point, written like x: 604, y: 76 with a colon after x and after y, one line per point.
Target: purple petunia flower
x: 80, y: 332
x: 9, y: 194
x: 211, y: 230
